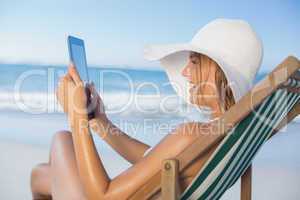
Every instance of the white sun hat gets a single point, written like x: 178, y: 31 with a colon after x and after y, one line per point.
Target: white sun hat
x: 231, y: 43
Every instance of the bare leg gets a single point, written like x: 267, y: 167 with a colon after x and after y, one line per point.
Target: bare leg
x: 62, y: 180
x: 65, y: 182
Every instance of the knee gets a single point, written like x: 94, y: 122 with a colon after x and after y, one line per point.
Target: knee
x: 61, y: 137
x: 60, y: 140
x: 37, y: 174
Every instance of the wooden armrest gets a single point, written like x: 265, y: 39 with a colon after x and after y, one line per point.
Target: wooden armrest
x: 169, y: 180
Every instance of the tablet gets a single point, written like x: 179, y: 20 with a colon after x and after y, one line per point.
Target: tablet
x: 78, y: 57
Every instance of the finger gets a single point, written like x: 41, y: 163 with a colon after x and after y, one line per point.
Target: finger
x: 65, y: 78
x: 93, y: 96
x: 68, y: 77
x: 67, y: 92
x: 93, y: 90
x: 74, y: 74
x: 90, y: 85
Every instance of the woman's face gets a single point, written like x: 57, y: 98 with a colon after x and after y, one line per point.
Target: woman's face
x: 200, y: 73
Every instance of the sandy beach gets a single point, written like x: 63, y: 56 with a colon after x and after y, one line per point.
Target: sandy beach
x: 16, y: 162
x: 18, y: 159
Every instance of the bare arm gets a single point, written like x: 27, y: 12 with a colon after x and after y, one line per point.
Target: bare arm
x: 129, y: 148
x: 91, y: 170
x: 71, y: 94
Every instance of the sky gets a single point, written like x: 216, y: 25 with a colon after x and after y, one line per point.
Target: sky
x: 115, y: 32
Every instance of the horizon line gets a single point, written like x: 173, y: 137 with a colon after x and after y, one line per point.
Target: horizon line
x: 114, y: 66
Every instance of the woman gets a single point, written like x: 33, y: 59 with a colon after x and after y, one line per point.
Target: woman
x: 219, y: 65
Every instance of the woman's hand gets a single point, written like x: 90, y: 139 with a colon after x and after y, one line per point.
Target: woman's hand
x: 97, y: 103
x: 100, y: 119
x: 71, y: 94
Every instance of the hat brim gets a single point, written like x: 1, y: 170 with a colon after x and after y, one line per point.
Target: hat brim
x: 157, y: 52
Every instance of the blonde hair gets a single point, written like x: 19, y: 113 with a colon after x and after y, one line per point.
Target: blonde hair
x: 224, y: 89
x: 222, y: 86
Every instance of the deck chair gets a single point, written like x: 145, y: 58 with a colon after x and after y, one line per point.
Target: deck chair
x: 268, y: 107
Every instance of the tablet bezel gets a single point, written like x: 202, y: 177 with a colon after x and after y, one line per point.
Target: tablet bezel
x: 80, y: 42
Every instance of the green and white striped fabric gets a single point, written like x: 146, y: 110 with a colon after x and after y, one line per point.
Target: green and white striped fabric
x: 237, y: 150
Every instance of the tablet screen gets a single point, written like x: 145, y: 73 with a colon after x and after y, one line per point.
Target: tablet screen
x: 78, y: 57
